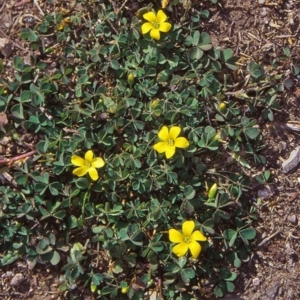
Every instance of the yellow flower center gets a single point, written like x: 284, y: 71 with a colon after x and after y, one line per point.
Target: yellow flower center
x: 171, y: 142
x: 187, y: 239
x: 88, y: 164
x: 156, y: 24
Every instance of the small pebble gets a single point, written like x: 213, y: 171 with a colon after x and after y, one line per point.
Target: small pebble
x: 4, y: 141
x: 262, y: 2
x: 293, y: 219
x: 282, y: 145
x: 256, y: 281
x: 264, y: 193
x: 7, y: 274
x: 17, y: 279
x: 263, y: 12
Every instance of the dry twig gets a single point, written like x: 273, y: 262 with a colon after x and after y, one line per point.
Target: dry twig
x: 10, y: 161
x: 15, y: 44
x: 23, y: 2
x: 39, y: 8
x: 264, y: 241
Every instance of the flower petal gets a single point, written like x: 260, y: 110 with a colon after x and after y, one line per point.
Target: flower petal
x: 195, y: 249
x: 174, y: 132
x: 150, y: 16
x: 180, y: 249
x: 154, y: 33
x: 165, y: 27
x: 188, y: 227
x: 98, y: 162
x: 146, y: 27
x: 93, y: 173
x: 170, y: 151
x: 89, y: 156
x: 198, y: 236
x: 77, y: 161
x: 80, y: 171
x: 161, y: 17
x: 181, y: 142
x: 160, y: 147
x: 163, y: 134
x: 175, y: 236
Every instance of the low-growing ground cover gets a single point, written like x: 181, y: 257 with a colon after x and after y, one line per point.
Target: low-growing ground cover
x: 129, y: 139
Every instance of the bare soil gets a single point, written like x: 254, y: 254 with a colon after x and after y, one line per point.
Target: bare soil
x: 255, y: 30
x: 259, y: 32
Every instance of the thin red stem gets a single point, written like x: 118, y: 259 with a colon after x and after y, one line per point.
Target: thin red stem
x: 9, y: 161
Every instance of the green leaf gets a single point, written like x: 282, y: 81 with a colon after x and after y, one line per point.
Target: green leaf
x: 286, y: 51
x: 208, y: 226
x: 289, y: 83
x: 118, y: 266
x: 231, y: 63
x: 252, y: 133
x: 1, y: 65
x: 231, y: 276
x: 226, y: 54
x: 187, y: 274
x: 29, y: 34
x: 187, y: 207
x: 8, y: 259
x: 54, y: 188
x: 189, y: 192
x: 55, y: 258
x: 242, y: 161
x: 219, y: 291
x: 195, y: 53
x: 234, y: 259
x: 163, y: 76
x: 204, y: 40
x: 60, y: 214
x: 248, y: 233
x: 230, y: 286
x: 169, y: 267
x: 230, y: 235
x: 182, y: 261
x: 17, y: 111
x: 169, y: 277
x: 97, y: 279
x: 267, y: 175
x: 82, y: 183
x: 107, y: 290
x: 196, y: 37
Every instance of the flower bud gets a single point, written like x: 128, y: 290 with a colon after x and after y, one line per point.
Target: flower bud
x: 154, y: 103
x: 149, y: 282
x: 212, y: 191
x: 130, y: 79
x: 164, y: 3
x: 93, y: 288
x: 125, y: 289
x: 222, y: 107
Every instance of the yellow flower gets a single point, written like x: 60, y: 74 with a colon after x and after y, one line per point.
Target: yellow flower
x: 87, y: 165
x: 186, y: 240
x: 170, y: 141
x: 156, y: 24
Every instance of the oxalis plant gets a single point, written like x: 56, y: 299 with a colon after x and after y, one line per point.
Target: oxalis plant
x: 136, y: 184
